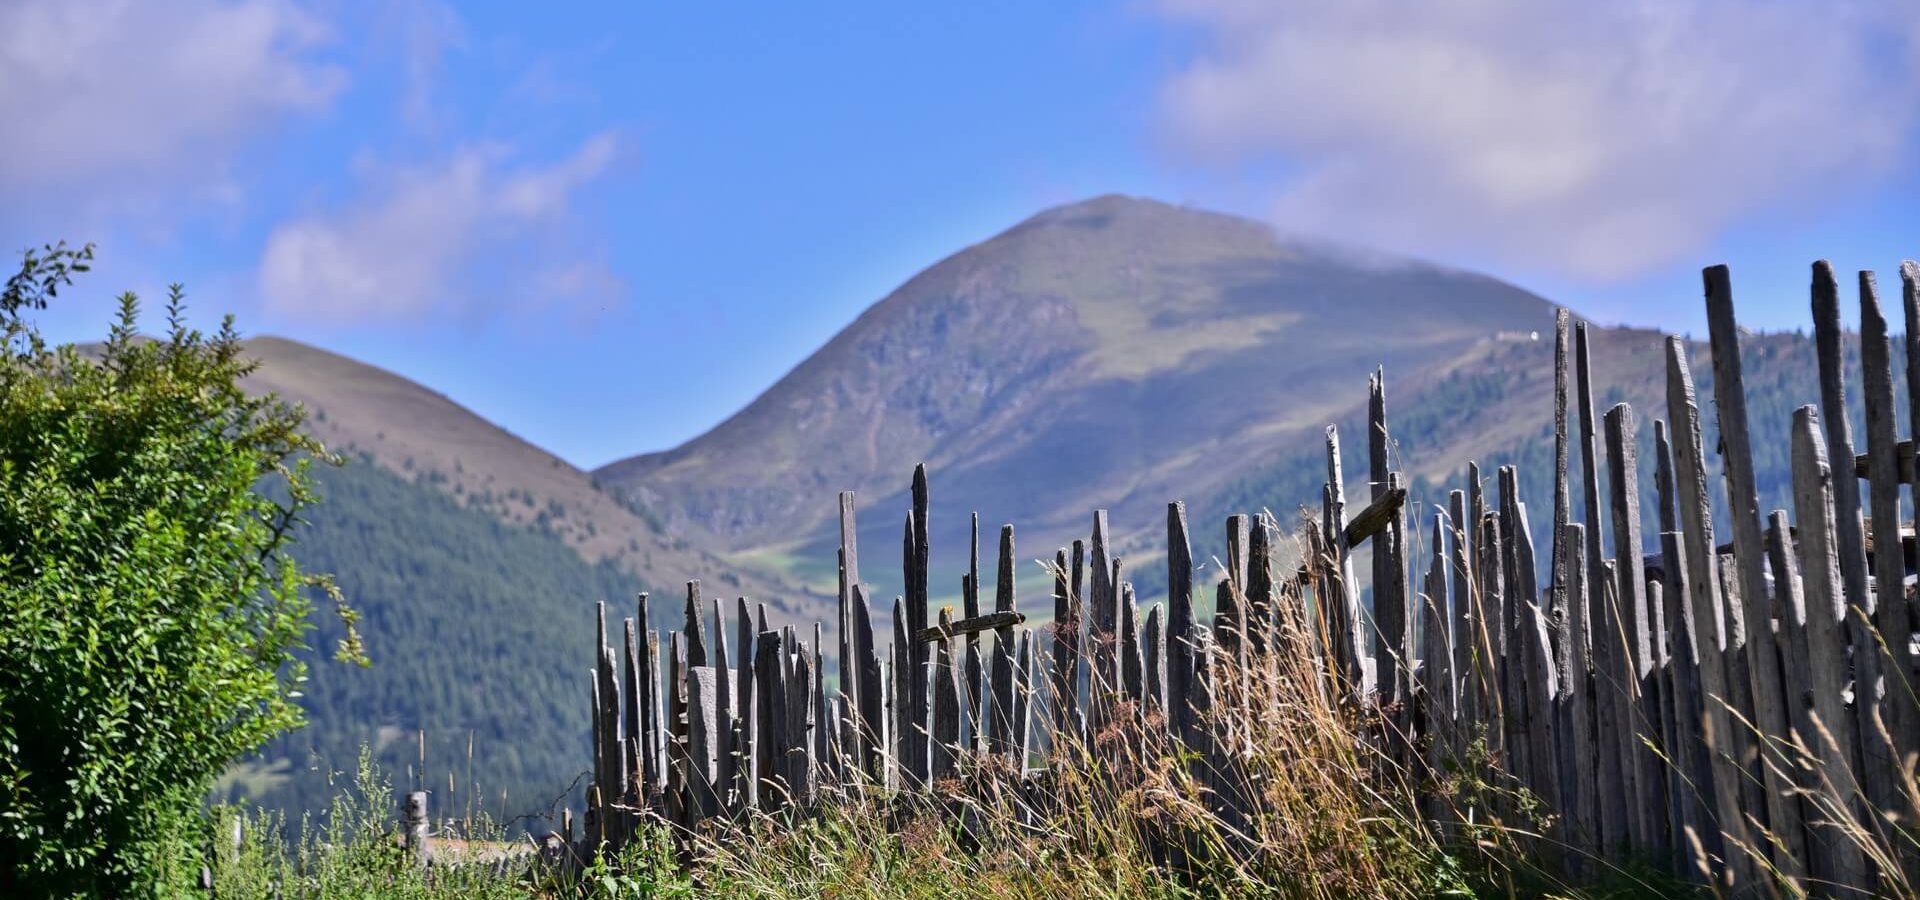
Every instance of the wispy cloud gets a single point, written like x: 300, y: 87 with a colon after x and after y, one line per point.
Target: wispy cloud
x: 471, y: 235
x: 1596, y: 140
x: 122, y: 94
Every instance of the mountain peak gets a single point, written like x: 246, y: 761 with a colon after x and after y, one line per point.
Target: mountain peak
x: 1128, y: 212
x: 1045, y: 369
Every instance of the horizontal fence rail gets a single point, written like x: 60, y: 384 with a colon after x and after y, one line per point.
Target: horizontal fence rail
x: 1742, y: 714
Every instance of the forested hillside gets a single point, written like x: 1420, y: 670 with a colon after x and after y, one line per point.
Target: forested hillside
x: 477, y: 630
x: 1496, y: 410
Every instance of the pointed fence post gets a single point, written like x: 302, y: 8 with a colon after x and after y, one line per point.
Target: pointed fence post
x: 1890, y: 691
x: 1763, y: 667
x: 1709, y: 619
x: 946, y: 707
x: 1833, y: 738
x: 1180, y: 630
x: 1000, y: 706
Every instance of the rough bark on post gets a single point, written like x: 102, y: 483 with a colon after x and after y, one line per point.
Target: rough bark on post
x: 1538, y: 686
x: 801, y: 763
x: 1437, y: 686
x: 971, y: 674
x: 1573, y: 723
x: 1066, y: 649
x: 726, y: 763
x: 1100, y: 626
x: 630, y: 722
x: 1022, y: 700
x: 871, y: 716
x: 1535, y: 659
x: 1648, y: 777
x: 1261, y: 610
x: 1131, y: 665
x: 1910, y: 299
x: 1709, y: 622
x: 769, y: 720
x: 901, y: 725
x: 946, y: 708
x: 1513, y: 669
x: 648, y: 752
x: 1795, y: 746
x: 1154, y: 657
x: 1894, y: 693
x: 1000, y: 718
x: 1389, y: 611
x: 1237, y: 537
x: 1228, y: 619
x: 597, y: 718
x: 819, y: 749
x: 1825, y: 635
x: 703, y: 700
x: 613, y: 777
x: 1489, y: 638
x: 1753, y: 788
x: 1828, y: 337
x: 1180, y: 631
x: 1613, y: 711
x: 656, y: 726
x: 1557, y: 576
x: 912, y: 693
x: 1690, y: 778
x: 1343, y: 596
x: 1667, y: 771
x: 851, y: 670
x: 1116, y: 683
x: 1589, y: 461
x: 676, y: 736
x: 1462, y: 621
x: 746, y: 783
x: 1749, y: 553
x: 1696, y: 806
x: 413, y: 816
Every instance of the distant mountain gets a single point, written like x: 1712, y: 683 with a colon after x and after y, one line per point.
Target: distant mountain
x: 1119, y: 353
x: 474, y: 560
x: 423, y: 436
x: 1114, y: 353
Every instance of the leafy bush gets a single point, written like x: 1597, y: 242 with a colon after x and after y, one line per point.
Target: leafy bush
x: 148, y: 610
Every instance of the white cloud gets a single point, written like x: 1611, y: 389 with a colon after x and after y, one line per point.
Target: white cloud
x: 464, y: 237
x: 1597, y: 140
x: 130, y: 93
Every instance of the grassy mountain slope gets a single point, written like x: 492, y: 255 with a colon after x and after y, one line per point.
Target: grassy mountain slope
x: 410, y: 430
x: 1114, y: 353
x: 475, y: 559
x: 1120, y: 353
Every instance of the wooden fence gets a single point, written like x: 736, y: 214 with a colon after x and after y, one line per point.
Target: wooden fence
x: 1731, y: 711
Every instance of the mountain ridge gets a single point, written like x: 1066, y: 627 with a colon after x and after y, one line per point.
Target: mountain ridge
x: 412, y: 430
x: 1043, y: 371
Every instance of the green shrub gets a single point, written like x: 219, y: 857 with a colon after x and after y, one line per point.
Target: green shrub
x: 148, y: 608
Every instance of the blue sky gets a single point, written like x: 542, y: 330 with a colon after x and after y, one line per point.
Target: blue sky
x: 608, y: 226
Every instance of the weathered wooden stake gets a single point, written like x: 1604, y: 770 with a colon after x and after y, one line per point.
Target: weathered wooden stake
x: 1763, y: 665
x: 1709, y: 618
x: 1180, y: 629
x: 1832, y: 735
x: 1890, y: 746
x: 413, y: 813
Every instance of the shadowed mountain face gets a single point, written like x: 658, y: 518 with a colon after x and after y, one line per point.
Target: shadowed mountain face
x: 1115, y: 353
x: 419, y: 434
